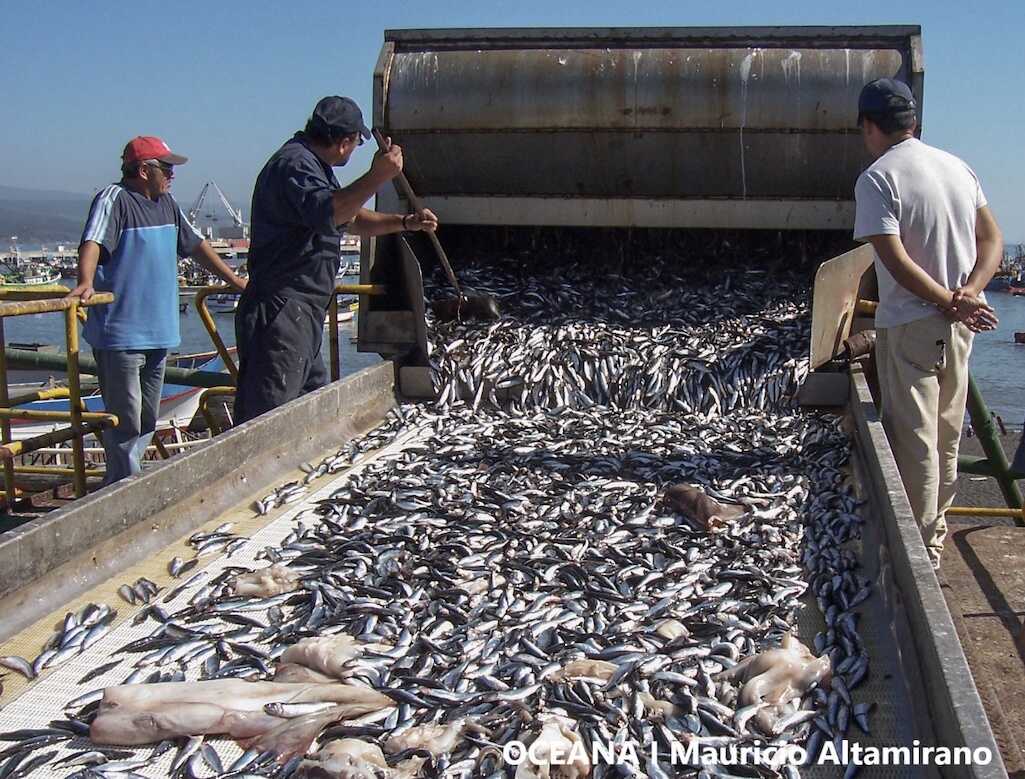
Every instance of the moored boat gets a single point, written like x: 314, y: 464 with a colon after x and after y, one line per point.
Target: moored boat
x: 178, y: 403
x: 346, y: 313
x: 32, y: 276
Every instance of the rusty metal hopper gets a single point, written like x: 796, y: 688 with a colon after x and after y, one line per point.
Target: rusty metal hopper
x: 724, y: 128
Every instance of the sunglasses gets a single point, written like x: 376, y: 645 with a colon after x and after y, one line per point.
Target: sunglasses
x: 167, y: 170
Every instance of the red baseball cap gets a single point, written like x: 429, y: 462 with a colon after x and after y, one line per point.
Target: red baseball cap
x: 149, y: 147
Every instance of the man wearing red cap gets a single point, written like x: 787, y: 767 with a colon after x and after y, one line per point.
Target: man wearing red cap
x: 133, y: 238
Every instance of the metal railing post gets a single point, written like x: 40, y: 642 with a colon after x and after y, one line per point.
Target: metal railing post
x: 75, y: 394
x: 211, y: 326
x: 5, y: 424
x: 204, y: 406
x: 159, y: 446
x: 82, y: 422
x: 44, y: 440
x: 332, y: 336
x: 361, y: 289
x: 990, y: 440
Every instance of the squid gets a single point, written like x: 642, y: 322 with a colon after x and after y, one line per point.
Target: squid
x: 350, y: 758
x: 557, y: 753
x: 266, y: 582
x: 331, y: 656
x: 600, y: 670
x: 436, y: 739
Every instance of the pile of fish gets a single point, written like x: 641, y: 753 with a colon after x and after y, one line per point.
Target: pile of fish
x: 577, y: 336
x: 347, y: 456
x: 77, y: 632
x: 522, y: 569
x: 217, y: 541
x: 142, y: 591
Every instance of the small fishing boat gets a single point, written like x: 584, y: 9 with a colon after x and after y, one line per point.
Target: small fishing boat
x: 30, y: 276
x: 345, y: 313
x: 222, y: 304
x: 348, y: 273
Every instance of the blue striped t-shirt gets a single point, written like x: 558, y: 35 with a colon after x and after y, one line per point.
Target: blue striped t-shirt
x: 141, y: 240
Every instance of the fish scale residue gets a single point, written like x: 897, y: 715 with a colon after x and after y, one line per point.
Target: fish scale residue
x: 513, y: 551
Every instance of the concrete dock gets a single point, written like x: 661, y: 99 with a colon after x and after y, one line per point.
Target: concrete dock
x: 983, y: 579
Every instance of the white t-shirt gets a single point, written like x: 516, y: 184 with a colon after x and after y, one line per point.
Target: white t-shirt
x: 929, y: 198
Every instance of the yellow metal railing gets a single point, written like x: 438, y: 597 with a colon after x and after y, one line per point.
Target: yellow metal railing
x: 204, y: 406
x: 42, y: 300
x: 866, y: 307
x: 211, y: 327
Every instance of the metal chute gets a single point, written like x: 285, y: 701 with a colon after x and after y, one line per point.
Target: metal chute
x: 709, y: 128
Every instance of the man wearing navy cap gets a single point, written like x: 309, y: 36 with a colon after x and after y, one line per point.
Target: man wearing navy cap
x: 299, y: 215
x: 937, y: 245
x: 133, y: 238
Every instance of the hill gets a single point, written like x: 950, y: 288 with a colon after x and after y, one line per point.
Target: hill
x: 40, y: 216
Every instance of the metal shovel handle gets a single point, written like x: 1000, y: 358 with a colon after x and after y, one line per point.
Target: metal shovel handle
x: 417, y: 205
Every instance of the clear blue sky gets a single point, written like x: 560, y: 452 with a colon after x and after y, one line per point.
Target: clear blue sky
x: 227, y: 82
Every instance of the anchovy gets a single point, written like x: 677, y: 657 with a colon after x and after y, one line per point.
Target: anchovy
x: 177, y: 566
x: 19, y: 664
x: 290, y: 710
x: 187, y: 750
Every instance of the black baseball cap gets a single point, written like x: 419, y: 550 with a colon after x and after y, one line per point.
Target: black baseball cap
x: 336, y: 115
x: 885, y: 97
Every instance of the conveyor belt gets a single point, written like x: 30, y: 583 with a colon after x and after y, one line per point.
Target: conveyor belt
x: 34, y: 705
x: 897, y: 719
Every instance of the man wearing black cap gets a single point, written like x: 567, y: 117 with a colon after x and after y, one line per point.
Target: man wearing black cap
x: 937, y: 246
x: 299, y: 215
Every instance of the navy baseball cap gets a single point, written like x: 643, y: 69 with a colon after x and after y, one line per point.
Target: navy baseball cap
x: 886, y: 97
x: 339, y: 115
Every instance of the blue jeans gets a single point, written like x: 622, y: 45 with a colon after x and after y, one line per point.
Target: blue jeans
x: 130, y: 382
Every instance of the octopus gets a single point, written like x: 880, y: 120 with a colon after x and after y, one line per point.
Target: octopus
x: 350, y: 758
x: 558, y: 752
x: 775, y: 677
x: 266, y: 582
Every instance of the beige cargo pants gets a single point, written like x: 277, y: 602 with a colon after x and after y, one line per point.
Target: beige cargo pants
x: 923, y: 379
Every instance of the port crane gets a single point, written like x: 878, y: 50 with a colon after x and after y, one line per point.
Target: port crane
x: 236, y: 214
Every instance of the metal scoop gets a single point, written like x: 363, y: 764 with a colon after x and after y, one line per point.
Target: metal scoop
x: 463, y: 306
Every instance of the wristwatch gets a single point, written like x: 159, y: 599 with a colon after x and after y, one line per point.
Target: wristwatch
x: 404, y: 218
